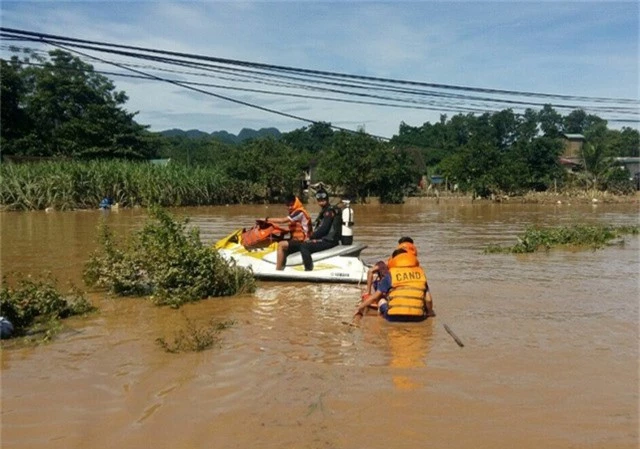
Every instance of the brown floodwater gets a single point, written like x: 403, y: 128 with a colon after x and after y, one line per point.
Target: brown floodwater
x: 550, y: 357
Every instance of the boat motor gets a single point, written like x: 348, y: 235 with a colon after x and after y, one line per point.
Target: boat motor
x: 347, y: 223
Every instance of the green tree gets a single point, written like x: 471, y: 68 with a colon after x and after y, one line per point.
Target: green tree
x: 359, y: 166
x: 505, y: 126
x: 550, y: 122
x: 313, y: 138
x: 536, y: 164
x: 528, y: 126
x: 68, y: 110
x: 624, y: 143
x: 349, y: 164
x: 192, y: 151
x: 269, y: 162
x: 13, y: 119
x: 598, y: 163
x: 397, y: 174
x: 579, y: 122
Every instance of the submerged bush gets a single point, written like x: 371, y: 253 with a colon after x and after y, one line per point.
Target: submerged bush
x: 591, y: 236
x: 194, y: 338
x: 165, y: 261
x: 38, y: 302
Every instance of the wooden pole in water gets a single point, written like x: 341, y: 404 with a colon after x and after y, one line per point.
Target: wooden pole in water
x: 455, y: 337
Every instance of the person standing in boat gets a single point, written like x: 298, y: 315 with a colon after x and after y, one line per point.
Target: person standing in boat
x: 300, y: 228
x: 327, y: 232
x: 403, y: 294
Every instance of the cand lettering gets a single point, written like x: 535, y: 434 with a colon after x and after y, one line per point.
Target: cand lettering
x: 410, y: 276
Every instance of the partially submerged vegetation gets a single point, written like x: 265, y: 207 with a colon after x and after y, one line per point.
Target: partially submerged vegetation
x: 194, y: 338
x: 163, y: 260
x: 577, y: 235
x: 35, y: 306
x: 166, y: 261
x: 68, y: 185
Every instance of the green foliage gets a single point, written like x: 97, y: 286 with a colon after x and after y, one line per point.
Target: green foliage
x: 61, y: 107
x: 166, y: 260
x: 591, y: 236
x: 200, y: 151
x: 626, y: 141
x: 194, y: 338
x: 36, y: 301
x: 350, y: 163
x: 599, y: 164
x: 359, y: 166
x: 267, y: 162
x: 81, y: 185
x: 312, y: 139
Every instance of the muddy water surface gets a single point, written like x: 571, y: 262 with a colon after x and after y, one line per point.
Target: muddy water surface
x: 550, y: 357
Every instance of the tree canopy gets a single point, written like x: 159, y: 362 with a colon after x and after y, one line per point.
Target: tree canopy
x: 60, y: 107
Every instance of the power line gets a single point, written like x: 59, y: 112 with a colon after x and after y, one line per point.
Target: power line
x: 68, y: 40
x: 386, y: 92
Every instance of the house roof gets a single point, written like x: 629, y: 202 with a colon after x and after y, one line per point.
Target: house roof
x: 574, y: 136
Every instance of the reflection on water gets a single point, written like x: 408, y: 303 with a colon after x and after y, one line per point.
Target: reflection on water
x: 551, y: 342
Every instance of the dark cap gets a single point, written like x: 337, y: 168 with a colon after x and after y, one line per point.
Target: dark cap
x: 322, y: 195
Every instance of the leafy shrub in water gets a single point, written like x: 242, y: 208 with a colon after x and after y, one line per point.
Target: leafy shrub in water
x: 166, y: 261
x: 592, y: 236
x: 37, y: 301
x: 194, y: 338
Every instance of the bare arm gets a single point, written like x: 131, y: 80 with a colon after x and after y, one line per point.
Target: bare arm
x: 284, y: 220
x: 370, y: 274
x: 428, y: 303
x: 366, y: 303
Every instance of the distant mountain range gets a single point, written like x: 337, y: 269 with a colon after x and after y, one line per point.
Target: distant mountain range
x: 224, y: 136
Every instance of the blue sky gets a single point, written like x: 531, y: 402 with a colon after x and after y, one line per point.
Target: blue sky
x: 572, y: 48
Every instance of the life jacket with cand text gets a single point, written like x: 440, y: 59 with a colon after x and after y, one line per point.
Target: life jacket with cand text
x: 408, y: 286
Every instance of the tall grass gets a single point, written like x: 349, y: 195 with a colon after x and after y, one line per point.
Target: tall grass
x: 82, y: 185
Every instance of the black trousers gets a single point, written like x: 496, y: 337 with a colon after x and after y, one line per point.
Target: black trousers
x: 313, y: 246
x: 306, y: 249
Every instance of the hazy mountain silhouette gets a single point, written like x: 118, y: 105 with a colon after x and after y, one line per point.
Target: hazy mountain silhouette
x: 224, y: 136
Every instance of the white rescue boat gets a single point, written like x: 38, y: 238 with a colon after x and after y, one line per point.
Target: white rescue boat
x: 341, y: 263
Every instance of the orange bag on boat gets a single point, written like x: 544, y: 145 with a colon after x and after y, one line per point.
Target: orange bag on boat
x: 262, y: 234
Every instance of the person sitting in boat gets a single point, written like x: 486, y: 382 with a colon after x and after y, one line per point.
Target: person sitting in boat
x: 403, y: 294
x: 326, y: 234
x: 300, y: 228
x: 380, y: 269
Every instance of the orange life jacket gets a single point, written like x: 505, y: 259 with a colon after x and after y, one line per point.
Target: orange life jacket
x: 299, y: 230
x: 261, y: 235
x: 409, y: 248
x: 408, y: 286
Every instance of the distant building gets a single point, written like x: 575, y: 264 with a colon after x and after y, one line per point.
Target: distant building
x: 572, y: 154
